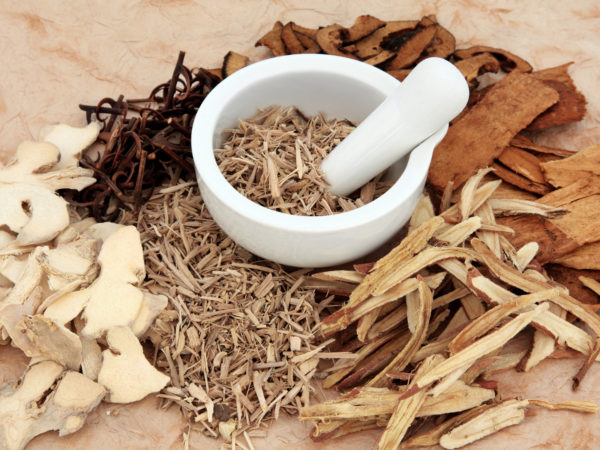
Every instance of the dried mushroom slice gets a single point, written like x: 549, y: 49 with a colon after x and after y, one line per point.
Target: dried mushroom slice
x: 272, y: 40
x: 291, y: 41
x: 442, y: 45
x: 408, y: 45
x: 363, y: 26
x: 125, y: 372
x: 331, y: 39
x: 232, y: 63
x: 508, y: 61
x: 309, y: 44
x: 477, y: 65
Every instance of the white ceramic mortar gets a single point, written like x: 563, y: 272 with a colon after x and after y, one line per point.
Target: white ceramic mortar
x: 340, y: 87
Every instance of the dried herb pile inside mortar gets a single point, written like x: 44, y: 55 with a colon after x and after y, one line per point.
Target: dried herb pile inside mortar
x: 274, y: 158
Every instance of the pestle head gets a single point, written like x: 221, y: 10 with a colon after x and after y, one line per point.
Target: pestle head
x: 431, y: 95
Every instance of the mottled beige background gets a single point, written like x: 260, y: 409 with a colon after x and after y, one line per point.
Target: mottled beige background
x: 57, y: 54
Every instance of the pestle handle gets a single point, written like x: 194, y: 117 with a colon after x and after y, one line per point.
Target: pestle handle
x: 429, y: 97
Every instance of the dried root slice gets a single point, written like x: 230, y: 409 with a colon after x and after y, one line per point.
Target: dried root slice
x: 457, y: 397
x: 406, y: 409
x: 368, y: 403
x: 418, y: 337
x: 28, y: 410
x: 52, y: 341
x: 385, y: 267
x: 432, y: 437
x: 528, y: 284
x: 491, y: 318
x: 422, y: 213
x: 506, y: 207
x: 36, y: 163
x: 125, y: 372
x: 591, y: 284
x: 571, y: 405
x: 423, y: 259
x: 510, y: 412
x: 589, y: 360
x: 543, y: 346
x: 480, y: 348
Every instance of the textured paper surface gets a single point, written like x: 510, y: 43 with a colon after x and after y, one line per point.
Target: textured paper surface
x: 57, y: 54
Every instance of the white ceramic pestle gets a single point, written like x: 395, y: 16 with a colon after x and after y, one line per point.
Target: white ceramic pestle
x: 429, y: 97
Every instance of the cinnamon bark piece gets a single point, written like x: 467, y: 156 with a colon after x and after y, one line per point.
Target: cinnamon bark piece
x: 488, y: 127
x: 571, y: 103
x: 569, y: 170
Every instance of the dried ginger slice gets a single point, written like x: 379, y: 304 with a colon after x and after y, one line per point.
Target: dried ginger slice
x: 482, y: 133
